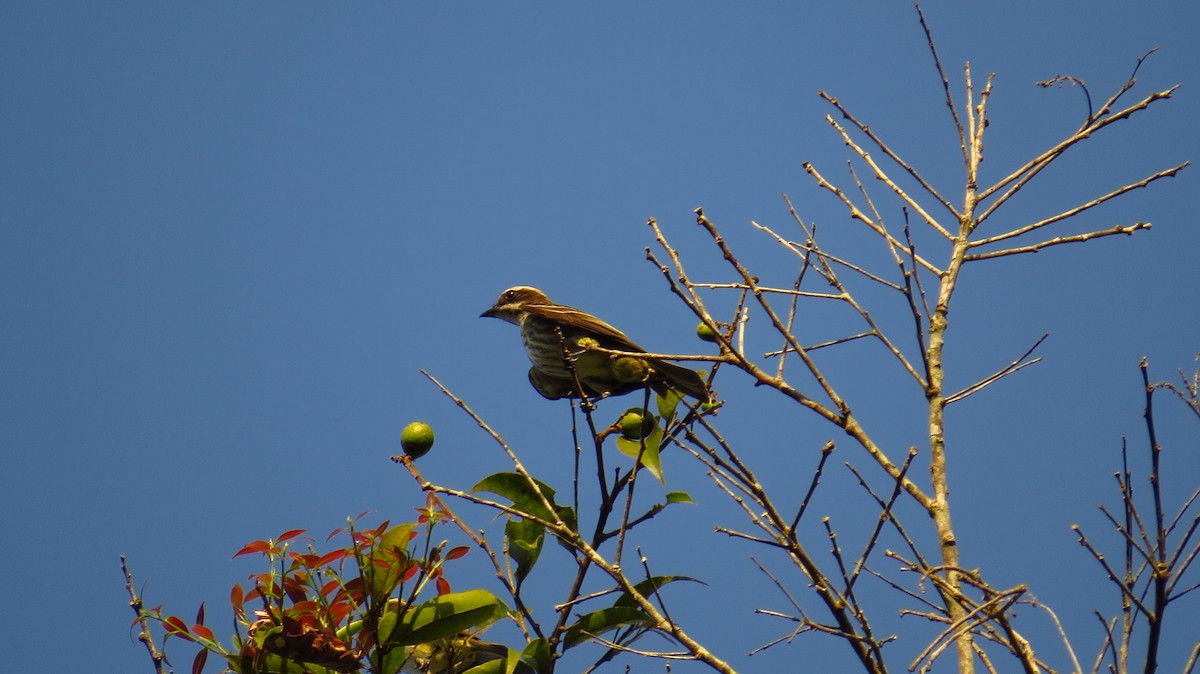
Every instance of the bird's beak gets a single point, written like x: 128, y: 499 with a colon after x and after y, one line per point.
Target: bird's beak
x: 490, y: 313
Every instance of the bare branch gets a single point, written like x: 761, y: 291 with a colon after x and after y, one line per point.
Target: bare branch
x: 866, y: 130
x: 910, y: 278
x: 1077, y: 238
x: 859, y: 215
x: 937, y: 61
x: 883, y: 177
x: 848, y: 298
x: 1168, y: 173
x: 821, y: 345
x: 886, y: 514
x: 1059, y: 80
x: 1012, y: 367
x: 1031, y: 168
x: 803, y: 250
x: 1132, y: 80
x: 826, y: 450
x: 144, y: 634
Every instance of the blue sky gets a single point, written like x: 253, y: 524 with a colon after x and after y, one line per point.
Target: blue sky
x: 234, y: 233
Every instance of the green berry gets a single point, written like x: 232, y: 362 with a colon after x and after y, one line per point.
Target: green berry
x: 417, y: 439
x: 706, y: 333
x: 634, y: 426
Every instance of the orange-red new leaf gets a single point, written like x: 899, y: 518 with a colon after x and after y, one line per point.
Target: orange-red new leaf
x: 289, y: 535
x: 175, y: 625
x: 254, y: 546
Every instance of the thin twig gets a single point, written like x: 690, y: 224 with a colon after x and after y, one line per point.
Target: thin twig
x: 1077, y: 238
x: 1012, y: 367
x: 144, y: 634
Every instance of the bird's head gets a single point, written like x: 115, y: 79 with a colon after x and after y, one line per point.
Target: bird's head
x: 510, y: 306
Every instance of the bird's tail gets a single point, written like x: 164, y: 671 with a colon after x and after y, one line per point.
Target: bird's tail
x: 684, y: 380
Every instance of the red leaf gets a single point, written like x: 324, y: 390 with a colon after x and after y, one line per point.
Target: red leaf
x: 175, y: 625
x: 455, y: 553
x: 198, y: 663
x: 254, y: 546
x: 200, y: 614
x: 296, y: 591
x: 202, y: 632
x: 305, y: 607
x: 443, y: 586
x: 355, y: 589
x: 236, y: 600
x: 338, y: 612
x: 333, y: 534
x: 289, y: 535
x: 330, y: 557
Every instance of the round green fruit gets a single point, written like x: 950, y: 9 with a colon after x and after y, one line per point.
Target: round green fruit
x: 634, y: 426
x: 706, y: 333
x: 417, y: 439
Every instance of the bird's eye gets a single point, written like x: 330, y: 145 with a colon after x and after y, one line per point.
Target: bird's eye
x: 510, y: 295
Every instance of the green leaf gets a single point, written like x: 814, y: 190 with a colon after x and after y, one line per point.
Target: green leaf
x: 650, y: 458
x: 489, y: 667
x: 604, y: 620
x: 525, y: 541
x: 393, y: 660
x: 516, y: 488
x: 387, y: 561
x: 680, y: 497
x: 446, y: 616
x: 649, y: 586
x: 667, y: 404
x: 537, y: 653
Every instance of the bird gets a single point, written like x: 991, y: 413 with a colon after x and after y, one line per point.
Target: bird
x: 561, y: 343
x: 454, y: 655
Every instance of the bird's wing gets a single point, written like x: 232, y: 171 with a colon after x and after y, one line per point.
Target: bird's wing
x: 685, y: 379
x: 574, y: 318
x: 682, y: 378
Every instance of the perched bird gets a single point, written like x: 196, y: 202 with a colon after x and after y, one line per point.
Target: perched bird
x: 559, y: 339
x: 454, y: 655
